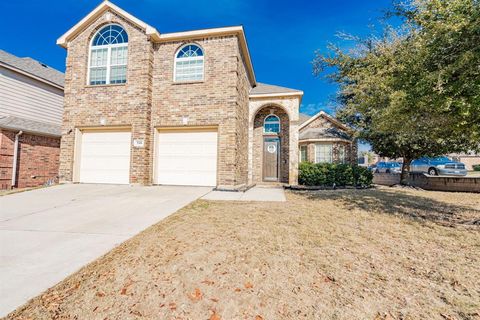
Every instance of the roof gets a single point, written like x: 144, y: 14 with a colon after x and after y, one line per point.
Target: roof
x: 155, y: 36
x: 33, y: 68
x: 31, y: 126
x: 266, y: 90
x: 303, y: 117
x: 98, y: 11
x: 328, y: 117
x: 323, y: 133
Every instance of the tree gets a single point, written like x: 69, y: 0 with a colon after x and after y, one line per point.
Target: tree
x: 415, y: 90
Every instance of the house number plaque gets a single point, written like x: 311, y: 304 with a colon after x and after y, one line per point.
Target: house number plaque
x: 271, y: 148
x: 138, y: 143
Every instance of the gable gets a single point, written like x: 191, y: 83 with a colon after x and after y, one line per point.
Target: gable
x: 325, y: 121
x: 105, y: 8
x: 324, y: 126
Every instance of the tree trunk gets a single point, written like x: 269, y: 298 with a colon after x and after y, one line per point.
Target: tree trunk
x: 405, y: 171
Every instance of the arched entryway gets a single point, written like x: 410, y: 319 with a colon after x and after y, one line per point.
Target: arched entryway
x: 271, y: 138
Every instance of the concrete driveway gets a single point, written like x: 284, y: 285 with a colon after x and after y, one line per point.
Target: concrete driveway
x: 47, y: 234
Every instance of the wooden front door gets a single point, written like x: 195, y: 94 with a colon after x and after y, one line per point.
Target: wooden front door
x: 271, y: 152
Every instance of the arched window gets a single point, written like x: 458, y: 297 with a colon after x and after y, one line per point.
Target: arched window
x: 108, y: 56
x: 271, y: 124
x: 189, y: 63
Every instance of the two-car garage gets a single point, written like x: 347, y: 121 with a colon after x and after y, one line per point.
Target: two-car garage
x: 181, y: 156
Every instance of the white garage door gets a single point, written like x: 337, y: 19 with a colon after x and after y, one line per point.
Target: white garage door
x: 105, y: 157
x: 186, y: 158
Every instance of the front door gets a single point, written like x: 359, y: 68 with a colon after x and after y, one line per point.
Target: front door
x: 271, y: 150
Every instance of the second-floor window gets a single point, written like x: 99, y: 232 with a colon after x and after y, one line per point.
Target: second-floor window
x: 189, y: 62
x: 108, y: 56
x: 271, y: 124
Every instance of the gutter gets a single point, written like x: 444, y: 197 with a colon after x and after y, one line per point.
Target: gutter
x: 15, y: 158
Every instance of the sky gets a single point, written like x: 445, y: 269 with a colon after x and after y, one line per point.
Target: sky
x: 282, y: 35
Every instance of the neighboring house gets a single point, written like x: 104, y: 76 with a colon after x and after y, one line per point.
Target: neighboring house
x: 31, y: 106
x: 469, y: 159
x: 324, y: 139
x: 183, y: 108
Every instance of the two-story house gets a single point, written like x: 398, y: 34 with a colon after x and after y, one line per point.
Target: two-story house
x: 31, y: 108
x: 184, y: 108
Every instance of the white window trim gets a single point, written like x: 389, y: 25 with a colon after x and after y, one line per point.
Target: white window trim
x: 279, y: 124
x: 109, y: 56
x: 175, y: 59
x: 331, y: 153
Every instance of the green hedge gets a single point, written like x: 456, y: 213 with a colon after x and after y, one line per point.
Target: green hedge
x: 330, y: 174
x: 476, y: 167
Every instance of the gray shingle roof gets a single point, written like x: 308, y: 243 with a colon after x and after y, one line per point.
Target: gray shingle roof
x: 33, y: 67
x: 263, y: 88
x: 323, y: 133
x: 32, y: 126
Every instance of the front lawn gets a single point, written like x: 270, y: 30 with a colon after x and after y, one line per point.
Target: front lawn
x: 387, y: 253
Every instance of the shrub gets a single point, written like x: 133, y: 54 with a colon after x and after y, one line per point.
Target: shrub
x: 362, y: 177
x: 476, y: 167
x: 330, y: 174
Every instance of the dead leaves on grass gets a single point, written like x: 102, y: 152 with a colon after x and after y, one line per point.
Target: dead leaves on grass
x: 196, y: 295
x: 100, y: 294
x: 125, y: 287
x: 172, y: 306
x: 385, y: 316
x: 215, y: 316
x: 208, y: 282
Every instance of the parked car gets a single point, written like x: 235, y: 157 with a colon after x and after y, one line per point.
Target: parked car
x: 438, y: 166
x: 388, y: 167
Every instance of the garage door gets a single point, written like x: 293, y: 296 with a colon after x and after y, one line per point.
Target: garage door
x: 186, y: 158
x: 105, y: 157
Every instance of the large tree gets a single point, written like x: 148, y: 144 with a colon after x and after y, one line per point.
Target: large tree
x: 415, y: 90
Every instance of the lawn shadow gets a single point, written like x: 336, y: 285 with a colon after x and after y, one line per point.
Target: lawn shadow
x: 400, y: 203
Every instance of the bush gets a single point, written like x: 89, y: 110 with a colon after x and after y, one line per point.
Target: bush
x: 330, y: 174
x: 476, y: 167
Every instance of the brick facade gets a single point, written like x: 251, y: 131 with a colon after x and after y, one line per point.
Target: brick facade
x: 150, y: 99
x: 37, y: 162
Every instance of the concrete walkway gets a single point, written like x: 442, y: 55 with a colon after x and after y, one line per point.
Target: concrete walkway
x: 47, y: 234
x: 254, y: 194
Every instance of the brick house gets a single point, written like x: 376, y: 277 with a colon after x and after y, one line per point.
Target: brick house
x: 184, y: 108
x: 323, y: 138
x: 31, y: 106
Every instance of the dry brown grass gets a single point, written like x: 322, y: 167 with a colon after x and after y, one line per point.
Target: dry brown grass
x: 351, y: 254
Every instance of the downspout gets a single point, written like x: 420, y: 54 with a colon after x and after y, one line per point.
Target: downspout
x: 15, y: 158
